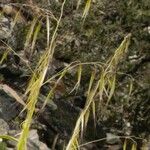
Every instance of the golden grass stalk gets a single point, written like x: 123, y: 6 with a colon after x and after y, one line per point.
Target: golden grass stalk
x: 8, y: 137
x: 22, y: 59
x: 48, y: 29
x: 82, y: 120
x: 35, y: 85
x: 119, y: 53
x: 86, y: 9
x: 35, y: 34
x: 50, y: 94
x: 4, y: 56
x: 105, y: 85
x: 125, y: 144
x: 37, y: 81
x: 30, y: 33
x: 77, y: 85
x: 32, y: 36
x: 17, y: 18
x: 78, y: 4
x: 134, y: 147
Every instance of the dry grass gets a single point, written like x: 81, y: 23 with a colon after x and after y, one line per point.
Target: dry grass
x: 35, y: 84
x: 104, y: 86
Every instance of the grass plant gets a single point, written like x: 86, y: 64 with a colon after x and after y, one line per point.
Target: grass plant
x: 105, y: 85
x: 7, y: 137
x: 35, y: 84
x: 101, y: 87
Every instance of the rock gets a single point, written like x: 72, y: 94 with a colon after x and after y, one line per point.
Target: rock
x: 114, y: 147
x: 112, y: 139
x: 7, y: 9
x: 3, y: 127
x: 51, y: 104
x: 90, y: 146
x: 146, y: 146
x: 34, y: 143
x: 8, y: 108
x: 5, y: 27
x: 11, y: 143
